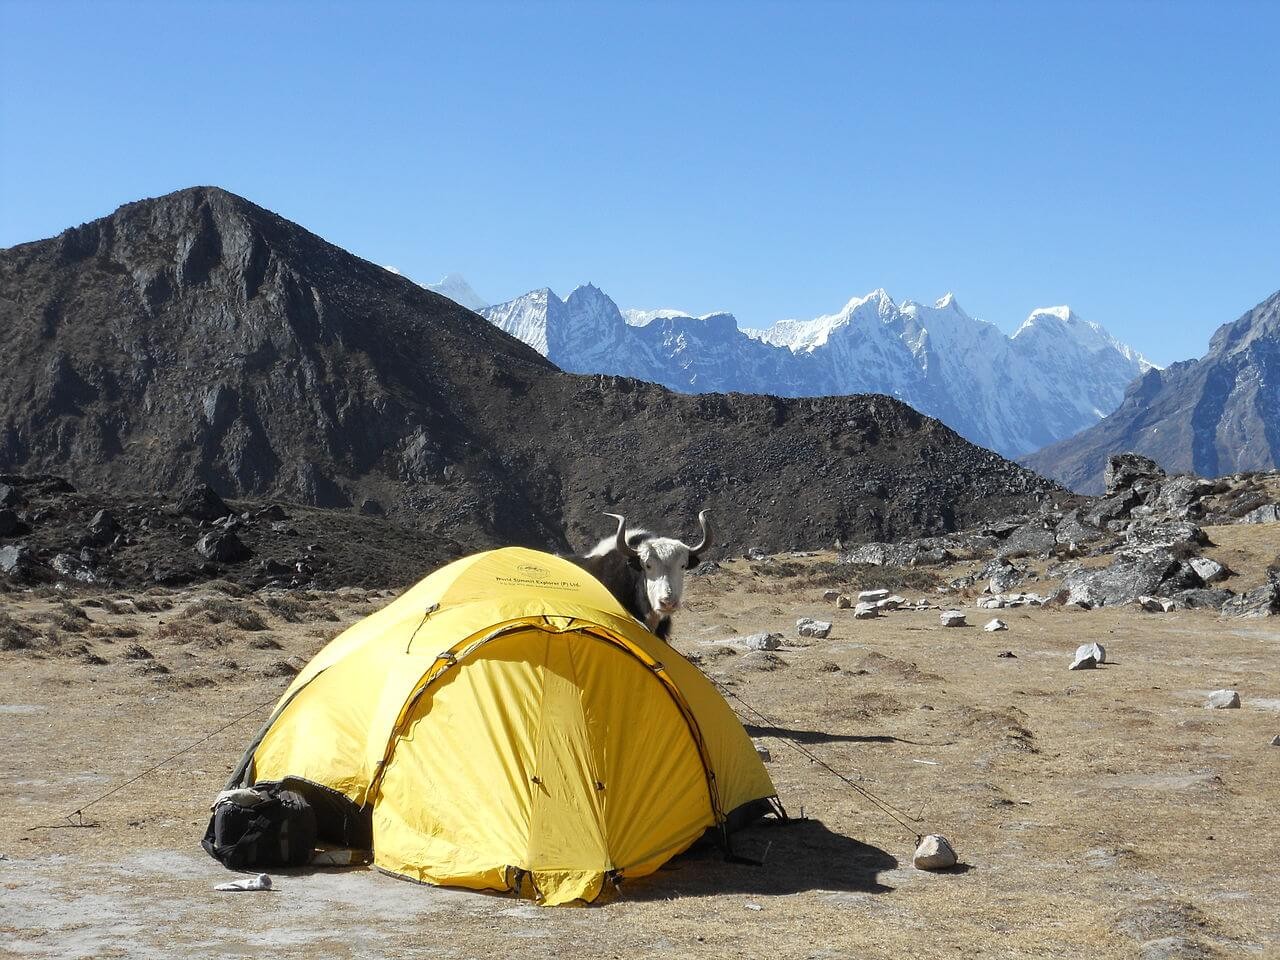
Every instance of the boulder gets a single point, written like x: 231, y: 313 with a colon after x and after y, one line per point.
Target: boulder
x: 871, y: 596
x: 1001, y: 575
x: 1168, y: 534
x: 952, y: 618
x: 1130, y: 576
x: 808, y: 627
x: 934, y: 853
x: 1115, y: 508
x: 1153, y: 604
x: 892, y: 602
x: 103, y: 528
x: 1094, y: 650
x: 9, y: 496
x: 866, y: 611
x: 200, y: 502
x: 1223, y: 700
x: 15, y: 559
x: 70, y: 567
x: 1267, y: 513
x: 994, y: 625
x: 1263, y: 601
x: 1201, y: 599
x: 1208, y: 570
x: 1128, y: 470
x: 1073, y: 529
x: 1180, y: 496
x: 1033, y: 539
x: 222, y: 546
x: 8, y: 522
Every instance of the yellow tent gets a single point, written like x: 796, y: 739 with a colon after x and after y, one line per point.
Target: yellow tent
x: 506, y: 720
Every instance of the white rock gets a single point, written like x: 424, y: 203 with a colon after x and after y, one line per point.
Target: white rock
x: 1210, y: 571
x: 759, y: 641
x: 1223, y: 700
x: 934, y: 853
x: 952, y: 618
x: 871, y: 596
x: 1083, y: 663
x: 1095, y: 650
x: 866, y: 611
x: 808, y: 627
x: 892, y: 602
x: 843, y: 602
x: 995, y: 625
x: 991, y: 603
x: 1275, y: 741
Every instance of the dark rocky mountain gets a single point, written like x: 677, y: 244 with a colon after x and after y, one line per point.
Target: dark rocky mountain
x: 198, y: 337
x: 1216, y: 415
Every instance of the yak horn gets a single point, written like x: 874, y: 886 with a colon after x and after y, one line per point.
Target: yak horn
x: 624, y: 548
x: 705, y: 524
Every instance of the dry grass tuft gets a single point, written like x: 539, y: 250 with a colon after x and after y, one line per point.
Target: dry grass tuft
x: 218, y: 610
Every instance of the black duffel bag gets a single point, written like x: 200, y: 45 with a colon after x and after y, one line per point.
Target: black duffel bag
x: 279, y: 830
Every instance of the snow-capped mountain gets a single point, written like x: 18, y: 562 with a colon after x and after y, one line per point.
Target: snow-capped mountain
x: 1055, y: 376
x: 455, y: 287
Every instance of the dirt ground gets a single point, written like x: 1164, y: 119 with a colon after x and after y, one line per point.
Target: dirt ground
x: 1097, y: 814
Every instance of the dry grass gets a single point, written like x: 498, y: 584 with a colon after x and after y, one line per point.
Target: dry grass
x: 218, y: 610
x: 783, y: 576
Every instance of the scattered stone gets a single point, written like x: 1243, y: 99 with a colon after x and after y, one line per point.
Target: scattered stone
x: 952, y: 618
x: 1275, y: 741
x: 1223, y: 700
x: 1001, y: 575
x: 892, y: 602
x: 1007, y: 655
x: 1154, y: 604
x: 994, y: 625
x: 934, y: 853
x: 758, y: 641
x: 844, y: 603
x: 1210, y: 571
x: 871, y: 596
x: 831, y: 596
x: 1085, y: 663
x: 763, y: 753
x: 808, y: 627
x: 706, y: 567
x: 866, y: 611
x: 755, y: 553
x: 222, y: 546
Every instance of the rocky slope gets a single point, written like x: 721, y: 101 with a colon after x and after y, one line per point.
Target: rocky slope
x: 198, y: 337
x: 1055, y: 376
x: 1216, y: 415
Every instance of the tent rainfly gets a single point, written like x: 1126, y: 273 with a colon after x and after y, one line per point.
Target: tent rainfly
x: 504, y: 722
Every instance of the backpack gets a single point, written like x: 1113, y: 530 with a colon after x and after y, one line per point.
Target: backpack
x: 266, y: 826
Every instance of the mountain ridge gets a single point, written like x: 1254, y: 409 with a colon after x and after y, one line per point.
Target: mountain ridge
x: 1211, y: 416
x: 1012, y: 393
x: 200, y: 337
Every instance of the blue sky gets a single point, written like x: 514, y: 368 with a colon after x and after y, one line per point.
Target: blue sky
x: 768, y: 159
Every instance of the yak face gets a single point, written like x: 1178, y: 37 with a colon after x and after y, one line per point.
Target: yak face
x: 663, y: 562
